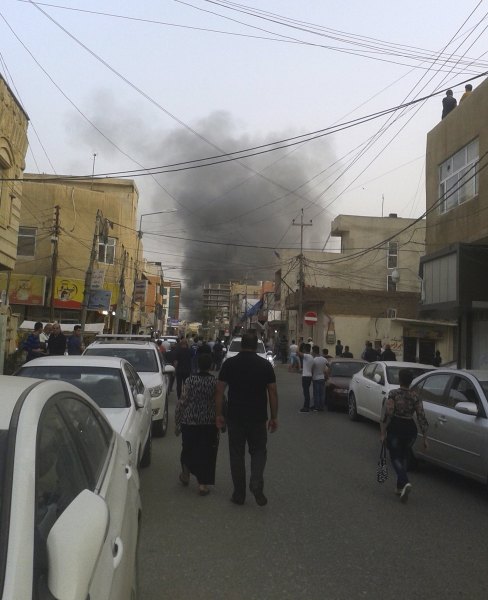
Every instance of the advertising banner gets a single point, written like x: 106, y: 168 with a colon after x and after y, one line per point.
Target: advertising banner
x: 68, y: 293
x: 140, y: 291
x: 24, y: 289
x: 99, y: 300
x: 98, y: 278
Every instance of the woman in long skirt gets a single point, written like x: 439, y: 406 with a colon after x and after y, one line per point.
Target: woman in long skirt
x: 195, y: 417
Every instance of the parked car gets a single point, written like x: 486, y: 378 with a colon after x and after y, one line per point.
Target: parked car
x: 235, y: 347
x: 69, y: 498
x: 341, y: 371
x: 114, y: 385
x: 456, y: 406
x: 371, y: 386
x: 149, y: 363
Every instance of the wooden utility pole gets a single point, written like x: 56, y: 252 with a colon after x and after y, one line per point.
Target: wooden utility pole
x: 54, y: 261
x: 89, y: 271
x: 301, y: 275
x: 120, y: 303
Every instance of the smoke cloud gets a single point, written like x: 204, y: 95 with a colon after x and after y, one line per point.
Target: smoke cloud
x: 237, y: 207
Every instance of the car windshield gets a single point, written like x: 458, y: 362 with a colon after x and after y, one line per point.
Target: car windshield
x: 104, y: 385
x: 392, y: 373
x: 345, y: 369
x: 235, y: 346
x: 143, y: 361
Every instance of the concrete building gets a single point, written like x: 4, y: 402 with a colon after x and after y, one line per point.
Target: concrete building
x: 370, y: 290
x: 13, y: 147
x: 216, y: 308
x: 454, y: 267
x: 171, y: 306
x: 62, y: 221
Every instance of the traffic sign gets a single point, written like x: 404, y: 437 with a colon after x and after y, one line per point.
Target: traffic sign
x: 310, y: 318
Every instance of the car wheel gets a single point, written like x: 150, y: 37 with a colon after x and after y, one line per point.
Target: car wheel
x: 146, y: 455
x: 352, y: 408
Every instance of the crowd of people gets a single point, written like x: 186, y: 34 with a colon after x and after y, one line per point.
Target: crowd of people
x: 49, y: 340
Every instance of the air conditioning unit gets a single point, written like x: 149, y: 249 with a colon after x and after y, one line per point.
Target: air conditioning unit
x: 391, y: 313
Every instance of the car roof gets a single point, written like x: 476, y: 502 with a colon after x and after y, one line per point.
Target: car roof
x: 13, y: 387
x: 345, y: 360
x: 404, y: 365
x: 113, y: 362
x: 124, y: 344
x: 480, y: 374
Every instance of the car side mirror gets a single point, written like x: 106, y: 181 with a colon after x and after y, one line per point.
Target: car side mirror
x: 140, y: 400
x: 74, y: 544
x: 467, y: 408
x: 377, y: 377
x: 168, y: 369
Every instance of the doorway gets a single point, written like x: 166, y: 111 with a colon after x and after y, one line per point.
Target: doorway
x: 426, y: 351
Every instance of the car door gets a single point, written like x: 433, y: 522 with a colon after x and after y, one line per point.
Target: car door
x: 433, y: 391
x: 463, y: 435
x: 140, y: 417
x: 362, y: 388
x: 377, y: 392
x: 110, y: 475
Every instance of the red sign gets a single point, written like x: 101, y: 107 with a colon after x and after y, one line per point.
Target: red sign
x: 310, y: 318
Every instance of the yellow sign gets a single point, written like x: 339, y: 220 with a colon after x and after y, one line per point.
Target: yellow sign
x: 24, y: 289
x: 68, y: 292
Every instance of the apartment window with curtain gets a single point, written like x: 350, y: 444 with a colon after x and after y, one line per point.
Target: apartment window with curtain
x: 26, y: 244
x: 106, y: 251
x: 458, y: 177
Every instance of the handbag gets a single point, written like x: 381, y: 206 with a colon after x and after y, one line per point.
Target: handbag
x: 382, y: 467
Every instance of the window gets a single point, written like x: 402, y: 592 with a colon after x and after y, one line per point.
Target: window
x: 392, y: 255
x: 92, y: 436
x: 391, y: 286
x: 106, y: 252
x: 368, y: 371
x: 458, y: 177
x: 26, y: 245
x: 434, y: 389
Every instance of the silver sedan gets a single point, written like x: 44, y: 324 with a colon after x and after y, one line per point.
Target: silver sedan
x: 456, y: 406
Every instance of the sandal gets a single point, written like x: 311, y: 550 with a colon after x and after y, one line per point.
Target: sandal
x: 204, y: 491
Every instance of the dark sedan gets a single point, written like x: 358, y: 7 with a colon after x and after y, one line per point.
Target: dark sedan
x: 341, y: 371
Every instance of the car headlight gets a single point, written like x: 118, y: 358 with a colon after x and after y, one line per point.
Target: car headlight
x: 156, y: 391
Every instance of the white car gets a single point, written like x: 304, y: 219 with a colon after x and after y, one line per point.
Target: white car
x: 235, y: 347
x: 370, y: 386
x: 114, y: 385
x: 69, y: 498
x: 146, y: 359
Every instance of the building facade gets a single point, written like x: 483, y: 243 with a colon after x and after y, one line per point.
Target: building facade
x: 456, y: 259
x: 369, y: 290
x: 13, y: 147
x: 63, y: 225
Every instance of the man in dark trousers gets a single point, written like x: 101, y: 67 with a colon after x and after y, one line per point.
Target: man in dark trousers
x: 252, y: 385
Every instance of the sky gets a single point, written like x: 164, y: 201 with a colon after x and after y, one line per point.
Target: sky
x: 148, y: 84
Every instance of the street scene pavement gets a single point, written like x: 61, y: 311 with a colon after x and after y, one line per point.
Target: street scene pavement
x: 329, y: 531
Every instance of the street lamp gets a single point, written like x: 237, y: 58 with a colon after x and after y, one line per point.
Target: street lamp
x: 136, y: 271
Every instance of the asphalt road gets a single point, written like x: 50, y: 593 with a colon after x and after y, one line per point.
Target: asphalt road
x: 329, y: 531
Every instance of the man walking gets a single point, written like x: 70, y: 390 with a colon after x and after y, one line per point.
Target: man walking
x: 252, y: 385
x: 56, y: 343
x: 319, y: 368
x: 32, y: 344
x: 307, y: 363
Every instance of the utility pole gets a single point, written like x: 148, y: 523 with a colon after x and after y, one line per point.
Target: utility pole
x: 120, y: 304
x: 89, y: 271
x: 301, y: 275
x: 54, y: 261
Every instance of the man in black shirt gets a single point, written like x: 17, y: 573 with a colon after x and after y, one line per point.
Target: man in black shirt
x: 449, y: 103
x: 252, y: 384
x: 56, y: 343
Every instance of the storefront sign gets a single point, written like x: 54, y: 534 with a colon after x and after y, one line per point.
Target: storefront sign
x: 24, y: 289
